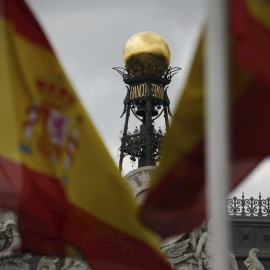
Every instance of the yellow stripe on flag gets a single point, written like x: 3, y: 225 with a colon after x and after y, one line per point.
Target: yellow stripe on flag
x: 260, y: 10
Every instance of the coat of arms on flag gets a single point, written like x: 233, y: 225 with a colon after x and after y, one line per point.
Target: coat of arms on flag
x: 47, y: 127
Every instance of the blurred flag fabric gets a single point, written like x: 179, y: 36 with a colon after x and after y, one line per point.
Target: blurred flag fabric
x: 176, y: 202
x: 53, y: 166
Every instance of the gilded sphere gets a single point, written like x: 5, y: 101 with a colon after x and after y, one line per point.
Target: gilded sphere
x: 147, y: 49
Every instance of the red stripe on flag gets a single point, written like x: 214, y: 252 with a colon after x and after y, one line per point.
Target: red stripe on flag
x: 251, y: 48
x: 3, y: 8
x: 108, y: 245
x: 8, y: 199
x: 11, y: 187
x: 42, y: 214
x: 185, y: 175
x: 251, y: 128
x: 48, y: 222
x: 17, y: 12
x: 176, y: 204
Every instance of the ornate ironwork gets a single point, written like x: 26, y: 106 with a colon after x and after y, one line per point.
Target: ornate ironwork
x: 248, y: 207
x: 147, y: 99
x: 133, y: 143
x: 141, y: 70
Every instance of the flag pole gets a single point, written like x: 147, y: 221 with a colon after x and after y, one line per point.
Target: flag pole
x: 217, y: 142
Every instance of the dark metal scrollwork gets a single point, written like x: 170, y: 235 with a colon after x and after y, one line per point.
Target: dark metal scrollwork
x: 248, y: 207
x: 143, y: 69
x: 147, y: 100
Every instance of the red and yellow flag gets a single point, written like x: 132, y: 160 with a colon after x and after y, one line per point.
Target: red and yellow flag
x: 177, y: 201
x: 53, y: 166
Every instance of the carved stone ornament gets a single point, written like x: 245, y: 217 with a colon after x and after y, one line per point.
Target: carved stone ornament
x: 252, y: 262
x: 71, y: 263
x: 48, y: 263
x: 9, y: 235
x: 193, y: 252
x: 75, y: 263
x: 9, y: 241
x: 17, y: 260
x: 180, y: 252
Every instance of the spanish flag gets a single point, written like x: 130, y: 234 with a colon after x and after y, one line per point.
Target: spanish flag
x: 176, y: 202
x: 53, y: 166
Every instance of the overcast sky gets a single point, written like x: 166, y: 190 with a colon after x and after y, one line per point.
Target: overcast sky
x: 88, y: 37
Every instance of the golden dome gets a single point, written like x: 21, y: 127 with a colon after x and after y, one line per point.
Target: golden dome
x: 147, y: 49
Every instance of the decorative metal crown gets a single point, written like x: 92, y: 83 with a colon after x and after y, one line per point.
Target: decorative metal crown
x: 144, y: 70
